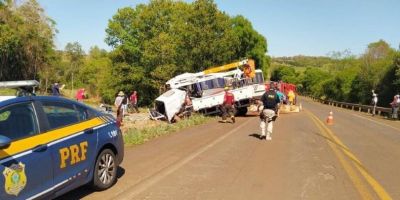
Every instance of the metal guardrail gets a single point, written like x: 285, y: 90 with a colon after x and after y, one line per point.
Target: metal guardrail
x: 382, y: 111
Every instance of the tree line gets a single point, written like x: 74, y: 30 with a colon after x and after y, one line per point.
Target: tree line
x: 151, y: 43
x: 342, y: 76
x: 156, y: 41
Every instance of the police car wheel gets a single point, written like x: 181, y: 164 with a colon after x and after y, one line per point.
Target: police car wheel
x: 105, y: 173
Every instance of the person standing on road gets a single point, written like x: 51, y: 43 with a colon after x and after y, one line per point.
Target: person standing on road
x: 270, y: 101
x: 291, y: 97
x: 280, y: 96
x: 228, y: 106
x: 395, y: 106
x: 133, y: 100
x: 374, y: 102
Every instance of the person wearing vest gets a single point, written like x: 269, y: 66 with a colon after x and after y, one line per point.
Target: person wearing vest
x: 291, y: 97
x: 228, y: 106
x: 270, y: 101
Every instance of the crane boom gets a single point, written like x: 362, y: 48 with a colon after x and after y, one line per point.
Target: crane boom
x: 189, y: 78
x: 225, y: 67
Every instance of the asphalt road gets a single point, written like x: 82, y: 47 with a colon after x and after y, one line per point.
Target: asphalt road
x: 358, y: 157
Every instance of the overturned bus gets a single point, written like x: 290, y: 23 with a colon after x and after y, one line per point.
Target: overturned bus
x: 204, y: 91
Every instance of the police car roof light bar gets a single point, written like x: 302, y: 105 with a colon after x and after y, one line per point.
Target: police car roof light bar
x: 19, y: 84
x: 25, y: 88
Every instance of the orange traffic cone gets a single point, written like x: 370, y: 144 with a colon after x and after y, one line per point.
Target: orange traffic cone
x: 329, y: 120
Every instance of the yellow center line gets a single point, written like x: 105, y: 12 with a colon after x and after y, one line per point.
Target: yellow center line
x: 380, y: 191
x: 355, y: 179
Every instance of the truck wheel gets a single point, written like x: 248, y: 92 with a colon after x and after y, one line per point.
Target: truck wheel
x: 241, y: 111
x: 105, y: 171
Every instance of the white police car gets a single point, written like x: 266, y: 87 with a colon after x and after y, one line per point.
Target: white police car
x: 51, y: 145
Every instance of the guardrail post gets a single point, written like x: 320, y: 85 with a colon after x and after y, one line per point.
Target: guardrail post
x: 368, y: 110
x: 352, y: 107
x: 359, y: 109
x: 379, y: 112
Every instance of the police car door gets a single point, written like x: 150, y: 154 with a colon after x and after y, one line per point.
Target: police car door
x: 25, y: 164
x: 75, y: 151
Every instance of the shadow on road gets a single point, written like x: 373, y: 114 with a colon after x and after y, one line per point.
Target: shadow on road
x: 256, y: 135
x: 227, y: 122
x: 85, y: 190
x: 252, y: 114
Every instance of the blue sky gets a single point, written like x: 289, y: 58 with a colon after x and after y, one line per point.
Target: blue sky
x: 292, y: 27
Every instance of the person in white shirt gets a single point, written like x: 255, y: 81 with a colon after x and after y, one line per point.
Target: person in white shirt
x: 118, y: 105
x: 374, y: 102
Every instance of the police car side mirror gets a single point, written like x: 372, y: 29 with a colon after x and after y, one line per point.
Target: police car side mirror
x: 4, y: 142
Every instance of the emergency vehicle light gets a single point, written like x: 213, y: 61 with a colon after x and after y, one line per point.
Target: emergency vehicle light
x: 19, y: 84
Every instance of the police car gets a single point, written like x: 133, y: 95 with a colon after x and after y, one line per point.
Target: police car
x: 51, y: 145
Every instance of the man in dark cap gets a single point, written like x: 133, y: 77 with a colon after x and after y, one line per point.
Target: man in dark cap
x: 270, y: 100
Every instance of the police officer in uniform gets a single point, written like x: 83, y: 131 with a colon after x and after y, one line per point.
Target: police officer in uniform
x: 270, y: 100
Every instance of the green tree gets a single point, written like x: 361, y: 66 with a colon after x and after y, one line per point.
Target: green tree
x: 312, y: 81
x: 95, y: 71
x: 285, y: 74
x: 251, y: 43
x: 396, y: 64
x: 211, y: 40
x: 154, y: 42
x: 389, y: 85
x: 26, y: 42
x: 75, y: 55
x: 375, y: 63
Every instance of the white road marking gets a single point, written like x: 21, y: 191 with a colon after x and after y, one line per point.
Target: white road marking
x: 380, y: 123
x: 147, y: 183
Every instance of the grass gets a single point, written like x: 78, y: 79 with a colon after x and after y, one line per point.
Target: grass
x: 135, y: 136
x: 7, y: 92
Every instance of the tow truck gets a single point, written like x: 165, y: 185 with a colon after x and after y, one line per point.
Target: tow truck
x: 205, y: 90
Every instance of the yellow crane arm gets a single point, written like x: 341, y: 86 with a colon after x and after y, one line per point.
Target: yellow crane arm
x: 229, y: 66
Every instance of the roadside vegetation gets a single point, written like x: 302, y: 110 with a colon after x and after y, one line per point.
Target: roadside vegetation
x: 136, y: 136
x: 342, y: 76
x: 156, y: 41
x: 7, y: 92
x: 151, y: 43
